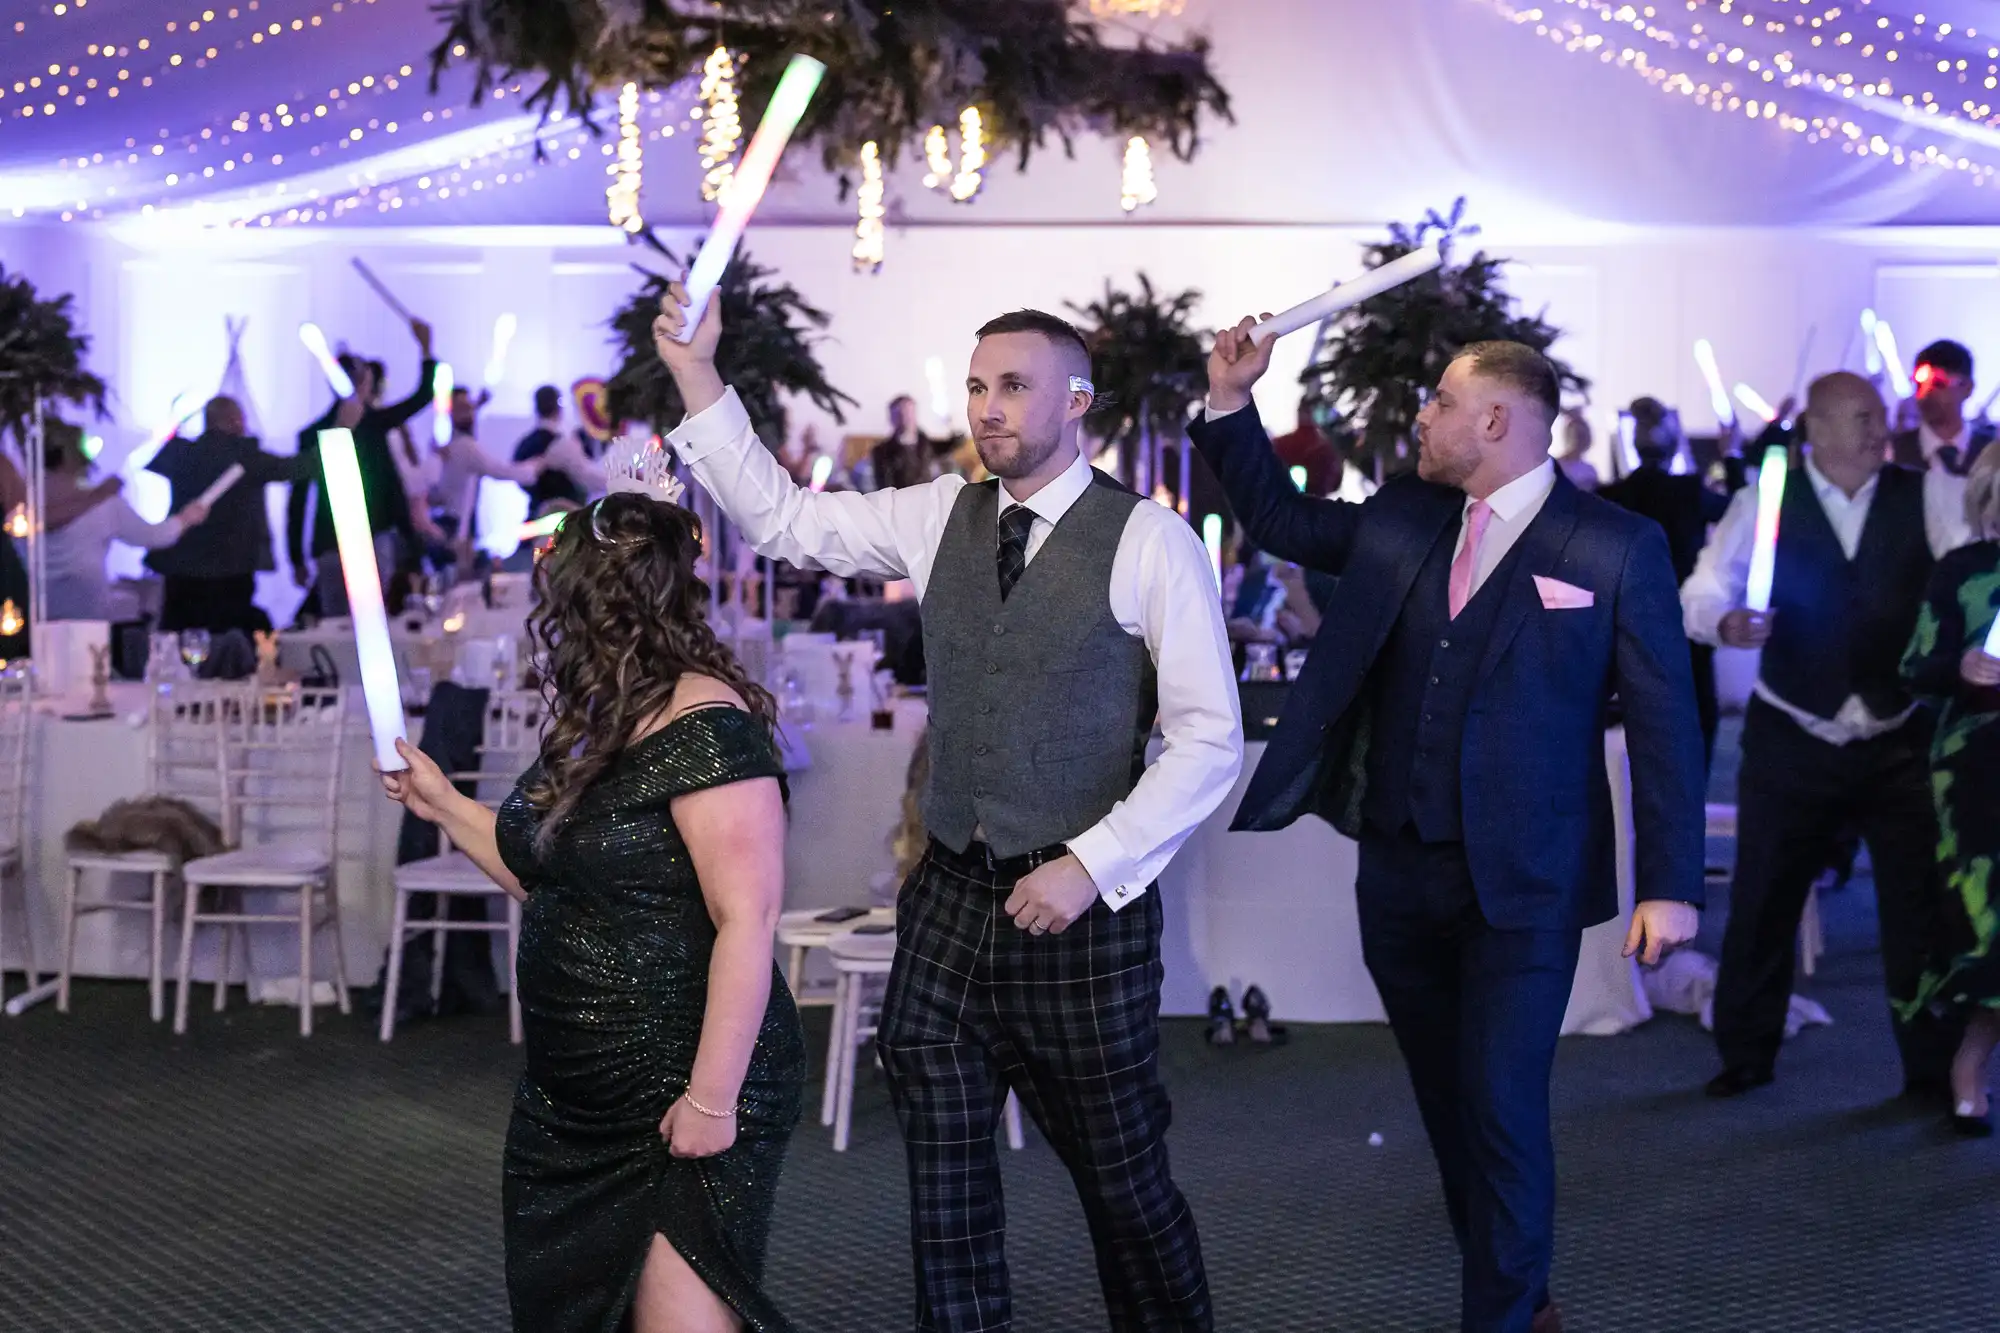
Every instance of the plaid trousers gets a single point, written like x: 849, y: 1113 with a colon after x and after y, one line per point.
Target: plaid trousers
x: 1070, y: 1022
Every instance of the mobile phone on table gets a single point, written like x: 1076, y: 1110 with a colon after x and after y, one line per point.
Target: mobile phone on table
x: 838, y: 914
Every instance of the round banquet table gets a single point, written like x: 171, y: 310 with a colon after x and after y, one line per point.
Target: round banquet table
x: 1273, y: 909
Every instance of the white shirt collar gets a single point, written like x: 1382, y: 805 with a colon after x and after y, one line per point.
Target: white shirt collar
x: 1829, y: 493
x: 1517, y: 496
x: 1930, y: 441
x: 1054, y: 500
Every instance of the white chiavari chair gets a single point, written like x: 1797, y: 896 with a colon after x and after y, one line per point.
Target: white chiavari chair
x: 508, y: 745
x: 183, y: 761
x: 861, y: 962
x: 17, y: 722
x: 282, y: 755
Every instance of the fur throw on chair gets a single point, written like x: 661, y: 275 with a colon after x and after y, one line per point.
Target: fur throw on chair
x: 149, y: 824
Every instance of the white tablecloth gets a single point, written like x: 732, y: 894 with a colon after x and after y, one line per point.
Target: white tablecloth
x: 1275, y: 909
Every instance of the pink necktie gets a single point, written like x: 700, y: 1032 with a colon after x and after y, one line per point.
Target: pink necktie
x: 1476, y: 519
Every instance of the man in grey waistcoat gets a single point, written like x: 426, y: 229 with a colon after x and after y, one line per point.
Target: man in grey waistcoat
x: 1062, y: 615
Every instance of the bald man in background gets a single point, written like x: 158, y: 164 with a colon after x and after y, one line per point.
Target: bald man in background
x: 1832, y: 741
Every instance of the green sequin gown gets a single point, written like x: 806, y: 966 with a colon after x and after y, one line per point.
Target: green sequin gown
x: 613, y: 980
x: 1965, y: 773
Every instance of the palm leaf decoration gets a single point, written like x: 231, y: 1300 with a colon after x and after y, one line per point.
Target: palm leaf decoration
x: 41, y: 355
x: 768, y: 333
x: 1373, y: 363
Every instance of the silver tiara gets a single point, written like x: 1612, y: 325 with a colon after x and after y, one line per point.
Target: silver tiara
x: 641, y: 464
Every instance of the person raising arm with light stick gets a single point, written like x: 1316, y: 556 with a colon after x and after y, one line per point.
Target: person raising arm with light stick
x: 647, y: 844
x: 1061, y: 614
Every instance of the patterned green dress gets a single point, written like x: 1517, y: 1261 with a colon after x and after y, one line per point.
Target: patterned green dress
x: 1963, y: 600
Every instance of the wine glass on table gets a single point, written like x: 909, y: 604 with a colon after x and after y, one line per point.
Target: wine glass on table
x: 194, y: 648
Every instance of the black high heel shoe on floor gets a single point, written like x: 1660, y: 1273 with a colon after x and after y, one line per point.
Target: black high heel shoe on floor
x: 1257, y: 1025
x: 1221, y: 1018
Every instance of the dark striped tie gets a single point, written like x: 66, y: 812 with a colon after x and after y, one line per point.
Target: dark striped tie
x: 1015, y: 525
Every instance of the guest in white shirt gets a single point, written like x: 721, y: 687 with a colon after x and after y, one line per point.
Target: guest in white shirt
x: 78, y: 587
x: 1833, y: 741
x: 1061, y: 614
x: 450, y: 484
x: 1942, y: 438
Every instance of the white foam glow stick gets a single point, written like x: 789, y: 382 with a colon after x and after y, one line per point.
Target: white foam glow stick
x: 1298, y: 475
x: 1718, y: 397
x: 1351, y: 293
x: 349, y: 503
x: 441, y: 430
x: 389, y: 297
x: 1992, y: 648
x: 940, y: 400
x: 1871, y: 348
x: 220, y: 486
x: 1892, y: 360
x: 1211, y: 537
x: 1764, y: 546
x: 329, y: 365
x: 1754, y: 402
x: 503, y: 338
x: 746, y: 187
x: 1628, y: 441
x: 545, y: 526
x: 822, y: 470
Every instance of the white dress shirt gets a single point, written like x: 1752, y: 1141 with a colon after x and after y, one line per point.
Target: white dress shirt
x: 1514, y: 507
x: 1930, y: 441
x: 1722, y: 574
x: 78, y: 587
x: 1162, y: 590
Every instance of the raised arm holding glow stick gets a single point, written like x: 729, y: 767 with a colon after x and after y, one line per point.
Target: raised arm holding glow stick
x: 746, y: 187
x: 1754, y: 403
x: 441, y: 428
x: 503, y: 338
x: 329, y: 365
x: 1349, y: 294
x: 1892, y: 360
x: 1718, y: 397
x: 349, y: 504
x: 1871, y: 346
x: 381, y: 290
x: 1764, y: 544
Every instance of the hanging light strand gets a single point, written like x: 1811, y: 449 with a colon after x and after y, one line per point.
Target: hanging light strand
x: 622, y: 198
x: 1746, y: 80
x: 108, y: 68
x: 868, y: 231
x: 1137, y: 187
x: 971, y: 156
x: 722, y: 127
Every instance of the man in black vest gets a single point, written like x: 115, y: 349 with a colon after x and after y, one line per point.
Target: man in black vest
x: 1061, y: 615
x: 1683, y: 507
x: 1943, y: 437
x: 1832, y: 741
x: 1451, y: 717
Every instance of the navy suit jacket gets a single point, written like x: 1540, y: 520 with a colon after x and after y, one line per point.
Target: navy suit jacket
x: 1536, y: 799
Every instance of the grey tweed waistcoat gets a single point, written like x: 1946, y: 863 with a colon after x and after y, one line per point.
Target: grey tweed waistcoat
x: 1041, y: 705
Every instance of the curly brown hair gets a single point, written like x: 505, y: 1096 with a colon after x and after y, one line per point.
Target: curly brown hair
x: 620, y: 617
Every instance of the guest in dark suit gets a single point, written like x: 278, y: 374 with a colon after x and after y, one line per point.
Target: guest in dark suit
x: 390, y: 516
x: 908, y: 457
x: 1833, y: 740
x: 210, y: 574
x: 1943, y: 437
x: 1683, y: 507
x: 1451, y: 717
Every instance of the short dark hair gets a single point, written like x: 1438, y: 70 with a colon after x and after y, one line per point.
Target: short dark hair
x: 1521, y: 368
x: 1052, y: 327
x: 1950, y: 357
x: 547, y: 400
x: 459, y: 391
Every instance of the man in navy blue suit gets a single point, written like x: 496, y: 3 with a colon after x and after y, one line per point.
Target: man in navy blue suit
x: 1451, y: 718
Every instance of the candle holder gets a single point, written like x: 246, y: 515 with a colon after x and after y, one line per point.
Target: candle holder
x: 100, y: 680
x: 843, y: 664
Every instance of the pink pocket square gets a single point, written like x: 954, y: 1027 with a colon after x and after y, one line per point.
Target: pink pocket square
x: 1560, y: 596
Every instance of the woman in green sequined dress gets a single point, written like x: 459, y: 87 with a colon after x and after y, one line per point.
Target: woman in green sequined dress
x: 664, y: 1055
x: 1947, y: 661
